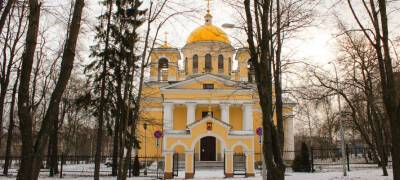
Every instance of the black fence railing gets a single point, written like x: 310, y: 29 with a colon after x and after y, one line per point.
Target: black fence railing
x: 331, y: 158
x: 320, y: 158
x: 239, y: 164
x: 84, y: 166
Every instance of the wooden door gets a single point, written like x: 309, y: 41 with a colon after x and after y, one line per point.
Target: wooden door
x: 207, y: 149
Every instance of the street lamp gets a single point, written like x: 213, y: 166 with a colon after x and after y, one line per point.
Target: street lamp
x: 145, y: 150
x: 228, y: 26
x: 340, y: 123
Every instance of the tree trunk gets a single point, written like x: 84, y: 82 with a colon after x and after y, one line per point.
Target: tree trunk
x: 8, y: 63
x: 53, y: 146
x: 278, y: 78
x: 115, y: 147
x: 65, y: 73
x: 4, y: 15
x: 389, y: 92
x: 261, y: 59
x: 102, y: 98
x: 24, y: 110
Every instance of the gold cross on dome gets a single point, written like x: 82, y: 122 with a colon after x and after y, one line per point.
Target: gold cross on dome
x: 208, y: 5
x: 166, y: 38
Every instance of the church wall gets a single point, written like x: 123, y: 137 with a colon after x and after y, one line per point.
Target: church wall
x: 257, y: 123
x: 204, y: 108
x: 180, y: 117
x: 179, y: 149
x: 214, y: 95
x: 235, y: 117
x: 238, y: 149
x: 217, y: 85
x: 242, y: 57
x: 203, y: 48
x: 148, y: 147
x: 172, y: 55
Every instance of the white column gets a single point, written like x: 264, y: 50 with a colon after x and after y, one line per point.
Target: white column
x: 191, y: 112
x: 247, y: 109
x: 225, y: 112
x: 168, y: 115
x: 289, y: 138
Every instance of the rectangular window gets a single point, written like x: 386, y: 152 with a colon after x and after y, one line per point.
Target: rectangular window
x: 208, y: 86
x: 205, y: 114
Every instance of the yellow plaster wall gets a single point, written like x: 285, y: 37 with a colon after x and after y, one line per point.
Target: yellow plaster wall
x: 148, y: 141
x: 211, y: 95
x: 204, y: 108
x: 172, y: 55
x: 242, y: 57
x: 179, y: 149
x: 238, y: 149
x: 199, y: 130
x: 180, y: 117
x: 235, y: 117
x: 199, y: 85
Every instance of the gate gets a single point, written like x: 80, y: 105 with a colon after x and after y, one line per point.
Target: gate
x: 175, y: 164
x: 239, y: 164
x: 225, y: 164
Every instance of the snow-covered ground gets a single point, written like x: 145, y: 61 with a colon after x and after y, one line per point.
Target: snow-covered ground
x: 365, y: 174
x: 85, y: 172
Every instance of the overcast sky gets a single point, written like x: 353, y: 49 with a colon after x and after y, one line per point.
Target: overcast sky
x: 315, y: 44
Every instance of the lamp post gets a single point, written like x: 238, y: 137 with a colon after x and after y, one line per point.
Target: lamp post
x: 340, y: 123
x: 145, y: 150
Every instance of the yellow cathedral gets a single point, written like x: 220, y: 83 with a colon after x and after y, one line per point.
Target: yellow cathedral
x: 207, y: 111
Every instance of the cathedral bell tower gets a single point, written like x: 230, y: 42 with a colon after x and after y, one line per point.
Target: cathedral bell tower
x: 164, y: 63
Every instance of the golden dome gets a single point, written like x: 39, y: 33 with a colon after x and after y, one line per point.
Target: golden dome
x: 208, y: 33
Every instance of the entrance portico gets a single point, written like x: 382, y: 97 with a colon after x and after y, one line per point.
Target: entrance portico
x: 208, y: 129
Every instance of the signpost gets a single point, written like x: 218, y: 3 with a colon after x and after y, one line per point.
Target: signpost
x: 158, y: 135
x: 259, y: 132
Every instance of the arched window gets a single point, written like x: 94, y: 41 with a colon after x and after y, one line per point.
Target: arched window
x: 163, y: 69
x: 220, y: 63
x: 195, y: 63
x: 163, y: 63
x: 251, y: 75
x: 208, y: 65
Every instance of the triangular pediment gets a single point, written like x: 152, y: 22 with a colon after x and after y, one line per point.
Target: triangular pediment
x: 197, y: 83
x: 209, y: 119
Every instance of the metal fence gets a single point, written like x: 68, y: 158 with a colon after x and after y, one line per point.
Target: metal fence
x: 84, y: 166
x: 320, y: 159
x: 239, y: 164
x: 331, y: 158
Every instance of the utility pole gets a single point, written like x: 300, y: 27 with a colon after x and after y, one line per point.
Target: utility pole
x: 340, y: 124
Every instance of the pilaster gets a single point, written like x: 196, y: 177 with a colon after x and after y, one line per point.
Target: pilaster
x: 168, y: 115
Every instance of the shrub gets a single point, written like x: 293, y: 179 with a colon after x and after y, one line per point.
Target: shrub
x: 136, y: 166
x: 301, y: 162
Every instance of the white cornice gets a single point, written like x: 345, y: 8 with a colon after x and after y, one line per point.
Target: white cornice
x: 206, y: 101
x: 214, y: 91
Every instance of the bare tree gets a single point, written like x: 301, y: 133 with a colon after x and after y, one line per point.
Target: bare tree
x: 24, y: 110
x: 5, y: 13
x: 258, y: 18
x: 360, y: 93
x: 376, y: 30
x: 31, y: 161
x: 14, y: 32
